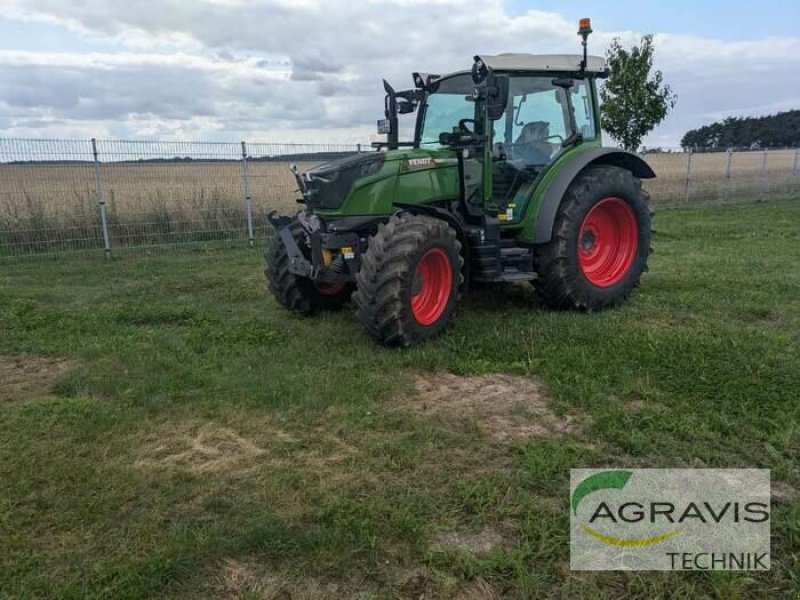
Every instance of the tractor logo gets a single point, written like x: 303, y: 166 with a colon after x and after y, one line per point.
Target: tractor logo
x: 413, y: 163
x: 611, y: 480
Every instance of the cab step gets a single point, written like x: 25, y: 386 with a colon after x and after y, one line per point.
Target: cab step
x: 494, y: 259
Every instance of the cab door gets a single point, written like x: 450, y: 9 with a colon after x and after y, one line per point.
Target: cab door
x: 526, y: 139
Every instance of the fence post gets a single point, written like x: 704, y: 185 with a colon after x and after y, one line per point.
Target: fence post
x: 688, y: 175
x: 247, y: 199
x: 764, y: 176
x: 796, y: 161
x: 359, y: 148
x: 101, y: 201
x: 729, y: 152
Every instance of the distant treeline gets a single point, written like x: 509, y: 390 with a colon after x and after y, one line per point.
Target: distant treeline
x: 775, y: 131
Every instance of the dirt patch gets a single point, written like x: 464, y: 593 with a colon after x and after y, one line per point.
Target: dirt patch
x: 505, y: 407
x: 471, y: 542
x: 417, y: 586
x: 782, y: 492
x: 29, y: 377
x: 479, y: 589
x: 240, y: 580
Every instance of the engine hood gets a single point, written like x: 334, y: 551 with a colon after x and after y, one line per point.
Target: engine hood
x: 327, y: 185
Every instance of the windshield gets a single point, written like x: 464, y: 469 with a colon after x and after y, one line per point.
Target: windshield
x: 446, y: 107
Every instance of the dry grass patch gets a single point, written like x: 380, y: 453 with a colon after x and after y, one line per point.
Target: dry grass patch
x: 207, y: 448
x: 240, y: 580
x: 28, y: 377
x: 783, y: 492
x: 506, y: 408
x: 203, y: 449
x: 474, y: 543
x: 479, y: 589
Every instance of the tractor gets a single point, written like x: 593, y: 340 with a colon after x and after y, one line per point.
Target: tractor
x: 505, y: 180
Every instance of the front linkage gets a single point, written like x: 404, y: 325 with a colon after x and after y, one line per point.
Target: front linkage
x: 321, y: 256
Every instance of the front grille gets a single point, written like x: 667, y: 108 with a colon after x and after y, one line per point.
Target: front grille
x: 328, y: 185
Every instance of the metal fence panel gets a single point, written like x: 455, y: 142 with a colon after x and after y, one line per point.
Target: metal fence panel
x: 47, y: 198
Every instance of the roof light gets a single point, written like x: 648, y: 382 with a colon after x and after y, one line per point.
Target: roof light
x: 584, y: 29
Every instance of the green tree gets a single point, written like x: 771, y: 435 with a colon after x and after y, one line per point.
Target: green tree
x: 634, y: 102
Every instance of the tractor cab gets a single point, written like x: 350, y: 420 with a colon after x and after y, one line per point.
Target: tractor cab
x: 508, y: 119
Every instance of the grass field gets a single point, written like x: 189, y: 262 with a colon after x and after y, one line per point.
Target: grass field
x: 167, y: 431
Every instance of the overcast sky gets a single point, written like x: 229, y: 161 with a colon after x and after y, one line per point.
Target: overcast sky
x: 310, y: 70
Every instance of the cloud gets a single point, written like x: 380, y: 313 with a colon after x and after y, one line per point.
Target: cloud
x: 313, y: 67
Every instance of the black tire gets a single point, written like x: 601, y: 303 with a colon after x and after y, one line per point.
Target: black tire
x: 388, y: 276
x: 293, y: 292
x: 563, y: 282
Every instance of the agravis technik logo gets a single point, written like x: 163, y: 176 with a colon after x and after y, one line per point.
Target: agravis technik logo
x: 670, y: 519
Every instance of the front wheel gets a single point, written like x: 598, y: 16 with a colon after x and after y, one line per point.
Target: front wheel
x: 296, y: 293
x: 409, y: 280
x: 600, y: 244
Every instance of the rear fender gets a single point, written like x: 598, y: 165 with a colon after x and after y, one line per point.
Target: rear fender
x: 545, y: 219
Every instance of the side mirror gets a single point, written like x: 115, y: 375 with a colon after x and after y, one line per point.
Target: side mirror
x: 405, y: 107
x: 497, y: 97
x: 479, y: 70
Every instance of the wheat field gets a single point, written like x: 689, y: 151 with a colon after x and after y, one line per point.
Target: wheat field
x: 54, y: 207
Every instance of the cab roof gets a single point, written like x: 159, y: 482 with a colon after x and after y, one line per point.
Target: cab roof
x: 543, y: 62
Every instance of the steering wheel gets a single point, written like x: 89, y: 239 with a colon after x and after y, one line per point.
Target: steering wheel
x: 462, y: 125
x: 550, y: 137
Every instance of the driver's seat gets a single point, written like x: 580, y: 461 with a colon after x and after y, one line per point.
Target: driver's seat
x: 532, y: 146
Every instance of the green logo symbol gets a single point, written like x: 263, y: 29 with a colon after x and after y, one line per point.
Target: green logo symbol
x: 615, y: 480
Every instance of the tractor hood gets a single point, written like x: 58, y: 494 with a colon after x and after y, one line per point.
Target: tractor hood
x: 327, y: 186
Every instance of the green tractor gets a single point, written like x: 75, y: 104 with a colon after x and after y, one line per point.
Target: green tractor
x: 506, y: 180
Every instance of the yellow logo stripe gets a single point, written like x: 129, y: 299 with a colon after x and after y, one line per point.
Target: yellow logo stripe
x: 607, y: 539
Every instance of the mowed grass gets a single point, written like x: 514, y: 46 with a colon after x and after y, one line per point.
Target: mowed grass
x: 195, y: 440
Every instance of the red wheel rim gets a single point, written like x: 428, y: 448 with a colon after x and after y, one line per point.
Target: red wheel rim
x: 608, y: 242
x: 330, y: 289
x: 431, y: 287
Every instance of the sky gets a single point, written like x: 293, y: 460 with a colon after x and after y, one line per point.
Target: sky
x: 311, y: 70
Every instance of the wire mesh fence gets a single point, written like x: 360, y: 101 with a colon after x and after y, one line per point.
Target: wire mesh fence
x: 111, y: 196
x: 728, y: 176
x: 95, y: 197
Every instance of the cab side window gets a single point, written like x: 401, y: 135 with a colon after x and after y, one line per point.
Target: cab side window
x: 539, y: 126
x: 535, y: 122
x: 584, y: 111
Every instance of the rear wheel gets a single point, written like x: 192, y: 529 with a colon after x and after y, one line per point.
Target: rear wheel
x: 409, y: 280
x: 600, y: 244
x: 296, y: 293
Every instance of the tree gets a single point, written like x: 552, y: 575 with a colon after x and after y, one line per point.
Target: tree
x: 633, y: 101
x: 781, y: 130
